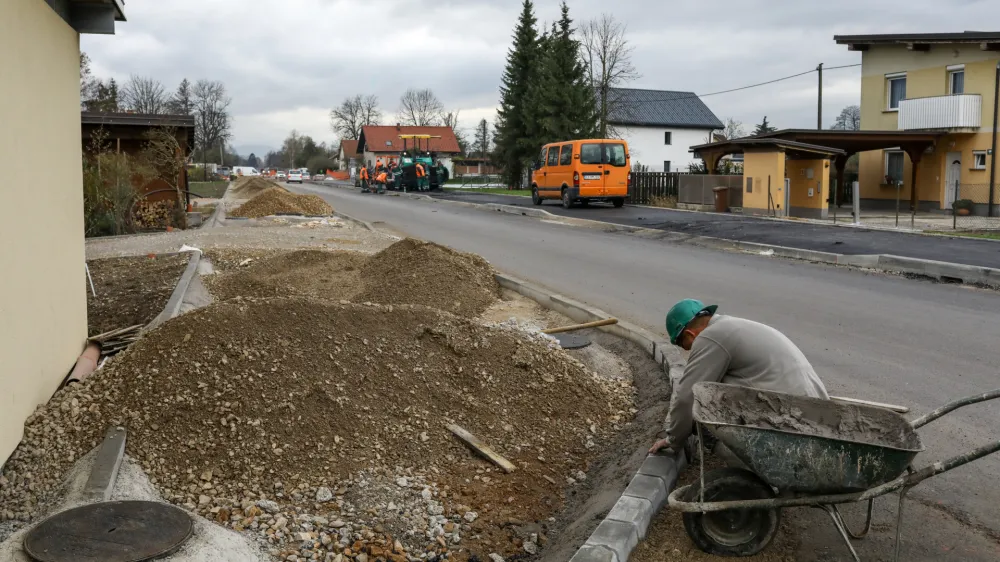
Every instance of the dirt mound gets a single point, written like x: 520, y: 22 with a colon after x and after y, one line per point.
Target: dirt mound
x: 248, y: 187
x: 277, y: 201
x: 412, y: 271
x: 289, y: 400
x: 314, y: 273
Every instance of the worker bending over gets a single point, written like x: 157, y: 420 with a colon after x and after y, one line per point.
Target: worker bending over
x: 733, y: 351
x: 380, y: 182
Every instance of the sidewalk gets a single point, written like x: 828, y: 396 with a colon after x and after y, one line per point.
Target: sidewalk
x: 819, y: 236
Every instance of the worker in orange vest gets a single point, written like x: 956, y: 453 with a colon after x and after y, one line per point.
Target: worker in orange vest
x: 363, y: 175
x: 380, y: 182
x: 421, y: 174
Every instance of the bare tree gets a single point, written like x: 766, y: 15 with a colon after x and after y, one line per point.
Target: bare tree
x: 732, y: 130
x: 353, y: 114
x: 420, y: 108
x: 849, y: 119
x: 211, y: 115
x: 144, y: 95
x: 608, y: 56
x: 87, y: 81
x: 450, y: 119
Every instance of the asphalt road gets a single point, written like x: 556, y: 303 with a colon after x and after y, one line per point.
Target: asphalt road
x: 870, y: 336
x: 809, y: 236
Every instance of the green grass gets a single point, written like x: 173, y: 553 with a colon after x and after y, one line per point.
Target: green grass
x: 491, y: 190
x: 989, y: 235
x: 212, y: 189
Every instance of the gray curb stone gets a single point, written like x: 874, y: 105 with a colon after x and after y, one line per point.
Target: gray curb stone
x: 177, y: 297
x: 628, y: 521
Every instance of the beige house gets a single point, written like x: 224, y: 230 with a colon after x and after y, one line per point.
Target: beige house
x: 43, y: 302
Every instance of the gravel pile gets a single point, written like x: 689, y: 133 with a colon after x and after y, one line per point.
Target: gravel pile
x: 247, y: 187
x: 408, y: 272
x: 277, y: 201
x: 320, y: 426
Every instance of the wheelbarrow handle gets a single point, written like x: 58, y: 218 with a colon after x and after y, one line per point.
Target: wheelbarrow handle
x: 938, y: 467
x: 952, y: 406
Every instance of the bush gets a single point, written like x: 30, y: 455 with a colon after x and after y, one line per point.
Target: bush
x: 963, y: 204
x: 109, y: 192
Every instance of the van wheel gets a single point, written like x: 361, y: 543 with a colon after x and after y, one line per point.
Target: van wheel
x: 618, y: 202
x: 536, y: 199
x: 566, y: 201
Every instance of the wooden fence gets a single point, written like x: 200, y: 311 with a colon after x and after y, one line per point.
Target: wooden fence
x: 649, y: 185
x: 693, y: 189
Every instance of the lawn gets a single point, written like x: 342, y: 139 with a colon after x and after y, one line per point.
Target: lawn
x: 210, y: 189
x: 491, y: 190
x: 987, y: 234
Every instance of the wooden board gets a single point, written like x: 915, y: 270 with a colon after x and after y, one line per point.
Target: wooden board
x: 482, y: 448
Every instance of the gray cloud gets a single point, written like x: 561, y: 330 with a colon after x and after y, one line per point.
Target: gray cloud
x: 287, y: 62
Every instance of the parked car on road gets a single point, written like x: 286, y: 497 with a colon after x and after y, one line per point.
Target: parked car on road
x: 582, y: 171
x: 319, y: 177
x: 282, y: 175
x: 295, y: 176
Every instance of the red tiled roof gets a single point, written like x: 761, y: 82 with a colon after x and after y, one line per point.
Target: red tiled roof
x: 350, y: 148
x: 374, y: 138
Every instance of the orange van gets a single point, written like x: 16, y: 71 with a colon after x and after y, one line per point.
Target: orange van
x: 582, y: 171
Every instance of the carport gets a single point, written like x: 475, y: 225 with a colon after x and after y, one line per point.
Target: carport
x: 848, y: 143
x: 780, y: 177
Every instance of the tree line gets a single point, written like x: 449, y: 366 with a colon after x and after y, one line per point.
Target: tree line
x: 206, y: 100
x: 301, y: 151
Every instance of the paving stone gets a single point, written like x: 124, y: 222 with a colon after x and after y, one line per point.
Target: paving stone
x: 650, y: 488
x: 663, y: 467
x: 635, y: 511
x: 591, y: 553
x: 620, y: 537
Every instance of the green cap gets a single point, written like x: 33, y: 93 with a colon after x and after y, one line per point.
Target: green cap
x: 682, y: 313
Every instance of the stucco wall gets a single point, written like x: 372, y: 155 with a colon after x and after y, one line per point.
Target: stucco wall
x: 926, y: 75
x: 42, y: 290
x: 645, y: 145
x: 764, y: 167
x: 804, y: 205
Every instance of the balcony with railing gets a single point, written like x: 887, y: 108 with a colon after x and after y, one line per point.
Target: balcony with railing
x: 958, y: 113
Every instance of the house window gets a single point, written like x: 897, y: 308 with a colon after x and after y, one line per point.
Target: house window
x: 979, y: 160
x: 894, y: 166
x: 666, y: 165
x: 956, y: 80
x: 896, y: 88
x: 667, y: 138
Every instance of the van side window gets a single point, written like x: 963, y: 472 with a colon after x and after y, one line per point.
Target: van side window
x: 615, y: 155
x: 553, y: 156
x: 566, y: 156
x: 591, y: 154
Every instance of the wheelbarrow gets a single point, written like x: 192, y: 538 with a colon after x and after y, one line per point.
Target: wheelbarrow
x: 800, y: 452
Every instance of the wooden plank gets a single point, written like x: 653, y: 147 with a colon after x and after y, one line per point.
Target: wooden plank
x: 482, y: 448
x: 584, y: 326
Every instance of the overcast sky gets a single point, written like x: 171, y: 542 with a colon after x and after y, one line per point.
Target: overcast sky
x: 287, y: 62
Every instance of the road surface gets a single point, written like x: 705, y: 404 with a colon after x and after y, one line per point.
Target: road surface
x: 809, y: 236
x: 871, y: 336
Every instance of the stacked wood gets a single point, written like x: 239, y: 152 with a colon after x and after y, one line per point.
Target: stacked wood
x: 116, y: 340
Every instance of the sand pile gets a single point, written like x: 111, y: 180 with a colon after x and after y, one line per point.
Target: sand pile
x: 262, y: 415
x: 408, y: 272
x: 247, y: 187
x: 277, y: 201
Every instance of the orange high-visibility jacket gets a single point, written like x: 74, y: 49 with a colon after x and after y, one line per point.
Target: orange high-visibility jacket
x: 420, y: 170
x: 380, y: 177
x: 364, y: 173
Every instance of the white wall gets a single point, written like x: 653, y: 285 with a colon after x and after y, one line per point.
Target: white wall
x: 646, y: 147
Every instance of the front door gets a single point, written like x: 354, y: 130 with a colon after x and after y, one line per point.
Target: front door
x: 952, y: 177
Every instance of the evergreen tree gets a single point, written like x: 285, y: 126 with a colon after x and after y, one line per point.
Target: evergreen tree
x: 561, y: 96
x: 105, y: 97
x: 182, y: 103
x: 764, y: 128
x: 513, y: 143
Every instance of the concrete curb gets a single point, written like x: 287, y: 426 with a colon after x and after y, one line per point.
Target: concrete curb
x: 104, y: 473
x: 363, y: 224
x: 628, y: 521
x: 177, y: 297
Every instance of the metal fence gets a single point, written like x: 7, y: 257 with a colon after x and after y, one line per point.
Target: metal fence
x: 972, y: 207
x: 695, y: 189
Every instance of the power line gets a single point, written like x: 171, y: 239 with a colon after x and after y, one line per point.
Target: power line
x: 743, y: 87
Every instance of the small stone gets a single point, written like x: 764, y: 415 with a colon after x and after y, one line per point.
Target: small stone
x: 441, y: 541
x: 426, y: 494
x: 280, y: 523
x: 269, y: 506
x: 580, y: 475
x: 206, y: 476
x: 323, y: 494
x: 494, y: 557
x: 570, y: 481
x: 337, y: 524
x: 531, y: 548
x: 402, y: 482
x: 204, y: 500
x: 424, y: 437
x: 471, y: 516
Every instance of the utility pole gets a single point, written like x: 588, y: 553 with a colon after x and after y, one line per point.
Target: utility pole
x: 819, y: 105
x: 993, y: 156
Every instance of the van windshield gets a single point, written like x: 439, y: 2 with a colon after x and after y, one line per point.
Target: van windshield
x: 591, y: 154
x: 615, y: 154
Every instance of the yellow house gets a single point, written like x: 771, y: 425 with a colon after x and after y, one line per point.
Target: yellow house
x: 43, y: 303
x: 933, y: 82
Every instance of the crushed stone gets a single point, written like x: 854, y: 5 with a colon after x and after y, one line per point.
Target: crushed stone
x: 247, y: 187
x: 278, y: 201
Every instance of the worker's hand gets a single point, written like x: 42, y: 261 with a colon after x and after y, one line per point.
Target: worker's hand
x: 659, y: 445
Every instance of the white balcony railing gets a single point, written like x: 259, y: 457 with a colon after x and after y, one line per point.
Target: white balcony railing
x: 962, y: 111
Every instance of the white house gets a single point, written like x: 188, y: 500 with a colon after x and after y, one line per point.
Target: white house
x: 660, y: 126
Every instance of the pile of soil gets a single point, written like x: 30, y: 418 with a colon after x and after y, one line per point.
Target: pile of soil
x: 262, y: 412
x: 277, y: 201
x: 131, y: 290
x: 248, y: 187
x: 413, y: 271
x: 408, y: 272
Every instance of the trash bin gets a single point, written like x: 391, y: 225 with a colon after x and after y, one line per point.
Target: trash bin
x: 721, y: 199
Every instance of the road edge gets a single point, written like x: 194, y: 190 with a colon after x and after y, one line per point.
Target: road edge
x: 628, y: 521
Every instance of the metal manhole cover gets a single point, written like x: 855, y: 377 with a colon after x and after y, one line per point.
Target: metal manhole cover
x: 125, y: 531
x: 572, y: 341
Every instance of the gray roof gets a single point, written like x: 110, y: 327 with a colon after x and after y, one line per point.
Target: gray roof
x: 660, y: 108
x: 961, y: 37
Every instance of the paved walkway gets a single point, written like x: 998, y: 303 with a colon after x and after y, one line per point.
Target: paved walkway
x: 805, y: 235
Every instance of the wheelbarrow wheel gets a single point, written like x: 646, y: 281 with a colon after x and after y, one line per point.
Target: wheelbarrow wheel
x: 736, y: 532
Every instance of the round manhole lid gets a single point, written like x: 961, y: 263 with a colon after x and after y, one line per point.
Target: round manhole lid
x: 125, y: 531
x: 572, y: 341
